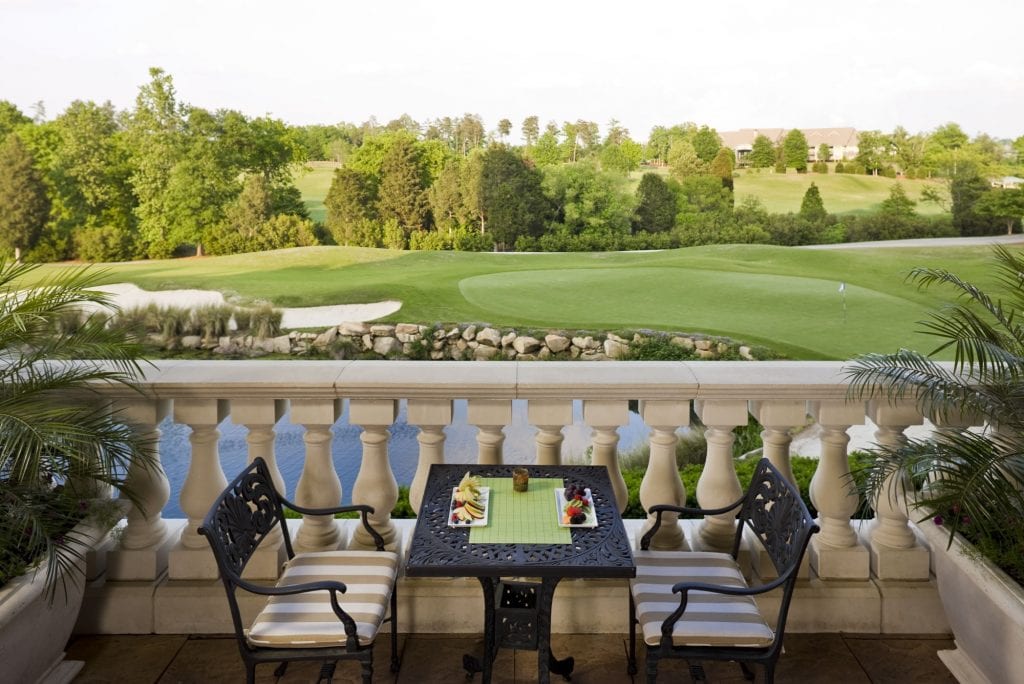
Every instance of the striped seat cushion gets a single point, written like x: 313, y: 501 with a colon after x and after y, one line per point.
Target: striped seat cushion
x: 710, y: 619
x: 306, y: 620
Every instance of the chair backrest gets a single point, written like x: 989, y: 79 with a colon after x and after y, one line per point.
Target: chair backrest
x: 778, y: 516
x: 244, y: 513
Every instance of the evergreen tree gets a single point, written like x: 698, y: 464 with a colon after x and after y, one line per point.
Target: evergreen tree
x: 762, y: 153
x: 966, y: 187
x: 655, y: 205
x: 812, y: 208
x: 511, y: 196
x: 446, y: 197
x: 24, y: 206
x: 401, y: 195
x: 898, y: 204
x: 350, y: 203
x: 794, y: 150
x: 722, y: 166
x: 531, y: 129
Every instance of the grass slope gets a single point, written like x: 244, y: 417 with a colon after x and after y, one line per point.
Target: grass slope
x: 785, y: 298
x: 313, y: 181
x: 841, y: 193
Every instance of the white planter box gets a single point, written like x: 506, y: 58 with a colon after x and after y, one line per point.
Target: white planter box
x: 33, y: 633
x: 985, y: 608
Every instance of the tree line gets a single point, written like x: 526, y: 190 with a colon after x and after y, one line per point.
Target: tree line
x: 167, y: 178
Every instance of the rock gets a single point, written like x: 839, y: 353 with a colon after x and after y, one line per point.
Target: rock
x: 526, y: 345
x: 489, y: 336
x: 439, y: 334
x: 407, y: 329
x: 265, y: 345
x: 473, y: 344
x: 745, y: 353
x: 723, y: 348
x: 705, y: 354
x: 684, y: 342
x: 461, y: 345
x: 367, y: 341
x: 574, y: 351
x: 411, y: 349
x: 385, y: 346
x: 702, y: 345
x: 437, y: 356
x: 638, y: 338
x: 591, y: 355
x: 453, y: 333
x: 456, y: 353
x: 615, y: 338
x: 484, y: 353
x: 557, y: 343
x: 508, y: 339
x: 526, y: 357
x: 353, y: 328
x: 326, y: 338
x: 227, y: 342
x: 382, y: 330
x: 423, y: 330
x: 544, y: 354
x: 469, y: 333
x: 437, y: 346
x: 509, y: 353
x: 408, y: 337
x: 191, y: 342
x: 615, y: 349
x: 281, y: 345
x: 587, y: 342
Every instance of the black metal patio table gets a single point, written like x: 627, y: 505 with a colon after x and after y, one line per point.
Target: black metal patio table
x: 518, y: 614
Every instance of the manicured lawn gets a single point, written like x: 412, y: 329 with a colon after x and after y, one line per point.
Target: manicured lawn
x: 313, y: 182
x: 841, y: 193
x: 784, y: 298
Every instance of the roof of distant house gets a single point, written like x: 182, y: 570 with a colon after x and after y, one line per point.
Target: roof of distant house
x: 834, y: 137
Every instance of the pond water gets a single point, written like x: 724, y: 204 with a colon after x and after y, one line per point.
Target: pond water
x: 346, y: 449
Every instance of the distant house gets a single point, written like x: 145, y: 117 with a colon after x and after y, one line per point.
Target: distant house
x: 1008, y: 182
x: 842, y: 142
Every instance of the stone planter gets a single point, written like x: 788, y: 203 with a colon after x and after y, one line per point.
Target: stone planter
x: 34, y: 632
x: 985, y: 608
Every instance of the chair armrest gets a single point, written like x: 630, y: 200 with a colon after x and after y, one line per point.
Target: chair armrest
x: 328, y: 585
x: 684, y: 588
x: 659, y: 509
x: 363, y: 509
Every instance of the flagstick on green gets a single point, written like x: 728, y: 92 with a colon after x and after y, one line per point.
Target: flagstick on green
x: 842, y: 291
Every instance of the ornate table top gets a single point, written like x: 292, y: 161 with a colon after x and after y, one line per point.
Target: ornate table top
x: 438, y: 550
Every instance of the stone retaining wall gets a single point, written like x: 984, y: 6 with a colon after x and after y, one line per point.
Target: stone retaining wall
x: 459, y: 342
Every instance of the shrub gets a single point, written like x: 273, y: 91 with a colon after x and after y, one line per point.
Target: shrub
x: 214, y: 321
x: 780, y: 167
x: 265, y: 321
x: 840, y: 167
x: 820, y: 167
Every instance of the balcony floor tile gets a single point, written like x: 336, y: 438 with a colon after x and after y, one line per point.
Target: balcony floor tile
x: 437, y: 658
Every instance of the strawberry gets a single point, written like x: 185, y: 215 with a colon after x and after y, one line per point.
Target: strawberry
x: 573, y: 511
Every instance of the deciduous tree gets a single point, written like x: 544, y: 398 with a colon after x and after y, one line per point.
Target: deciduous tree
x: 683, y: 161
x: 762, y: 153
x: 706, y: 143
x: 794, y: 150
x: 1002, y: 204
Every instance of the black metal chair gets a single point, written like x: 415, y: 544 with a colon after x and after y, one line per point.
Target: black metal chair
x: 327, y: 606
x: 697, y: 605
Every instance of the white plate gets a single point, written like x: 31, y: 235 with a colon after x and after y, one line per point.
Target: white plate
x: 485, y: 495
x: 560, y: 502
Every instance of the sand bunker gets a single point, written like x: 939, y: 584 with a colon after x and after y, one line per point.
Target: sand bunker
x: 129, y: 296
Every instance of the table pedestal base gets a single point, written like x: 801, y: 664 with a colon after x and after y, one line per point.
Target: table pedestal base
x: 518, y: 615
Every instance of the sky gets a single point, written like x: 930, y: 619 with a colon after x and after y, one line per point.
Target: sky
x: 730, y: 64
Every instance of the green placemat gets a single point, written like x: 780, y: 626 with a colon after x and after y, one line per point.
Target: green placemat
x: 521, y: 517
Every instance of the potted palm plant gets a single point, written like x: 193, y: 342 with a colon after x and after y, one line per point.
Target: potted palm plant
x: 966, y: 485
x: 62, y: 452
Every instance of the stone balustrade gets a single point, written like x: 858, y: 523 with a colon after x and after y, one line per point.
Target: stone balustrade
x: 256, y: 394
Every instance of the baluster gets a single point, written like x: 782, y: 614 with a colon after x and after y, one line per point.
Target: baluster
x: 142, y: 550
x: 836, y: 552
x: 661, y: 483
x: 489, y: 416
x: 895, y: 553
x: 319, y: 486
x: 778, y: 418
x: 718, y: 485
x: 430, y: 416
x: 191, y: 558
x: 259, y: 416
x: 375, y: 485
x: 605, y: 417
x: 549, y: 416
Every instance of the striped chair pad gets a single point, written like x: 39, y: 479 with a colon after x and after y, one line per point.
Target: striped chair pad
x: 307, y: 620
x: 710, y: 619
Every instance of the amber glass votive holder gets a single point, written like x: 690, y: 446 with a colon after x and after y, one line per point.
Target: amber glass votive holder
x: 520, y: 479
